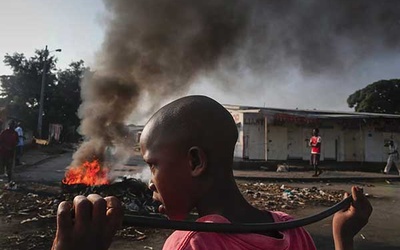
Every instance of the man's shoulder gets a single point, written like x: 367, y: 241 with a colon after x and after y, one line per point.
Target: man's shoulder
x: 180, y: 240
x: 9, y: 132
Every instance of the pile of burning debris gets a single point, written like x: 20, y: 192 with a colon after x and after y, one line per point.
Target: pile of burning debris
x: 92, y: 177
x: 134, y: 195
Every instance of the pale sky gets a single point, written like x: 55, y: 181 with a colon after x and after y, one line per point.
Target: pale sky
x: 74, y: 26
x: 77, y: 27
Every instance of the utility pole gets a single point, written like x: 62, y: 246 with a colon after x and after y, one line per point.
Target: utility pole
x: 41, y: 100
x: 40, y: 117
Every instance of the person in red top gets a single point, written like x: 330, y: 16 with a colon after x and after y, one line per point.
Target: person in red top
x: 8, y: 143
x: 315, y: 144
x: 191, y: 159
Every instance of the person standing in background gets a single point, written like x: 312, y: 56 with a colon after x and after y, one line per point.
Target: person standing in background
x: 315, y: 144
x: 393, y: 157
x: 20, y: 145
x: 8, y: 143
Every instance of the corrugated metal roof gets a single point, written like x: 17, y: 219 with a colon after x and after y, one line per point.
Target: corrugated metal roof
x: 310, y: 113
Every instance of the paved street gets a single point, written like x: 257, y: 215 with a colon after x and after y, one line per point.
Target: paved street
x: 48, y: 169
x: 51, y: 168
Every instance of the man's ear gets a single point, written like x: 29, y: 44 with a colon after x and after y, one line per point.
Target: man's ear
x: 198, y: 161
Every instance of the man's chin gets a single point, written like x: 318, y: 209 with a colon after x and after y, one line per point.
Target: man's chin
x: 171, y: 216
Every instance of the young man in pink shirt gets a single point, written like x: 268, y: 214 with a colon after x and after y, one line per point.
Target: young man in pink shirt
x: 315, y: 144
x: 188, y: 145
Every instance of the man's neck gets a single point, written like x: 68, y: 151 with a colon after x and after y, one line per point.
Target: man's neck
x: 227, y: 201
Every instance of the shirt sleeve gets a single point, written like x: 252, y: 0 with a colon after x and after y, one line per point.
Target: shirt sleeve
x: 19, y: 131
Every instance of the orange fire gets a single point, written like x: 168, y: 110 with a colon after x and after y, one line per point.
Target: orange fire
x: 89, y: 173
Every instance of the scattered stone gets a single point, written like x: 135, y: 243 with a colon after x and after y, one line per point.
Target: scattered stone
x: 277, y: 197
x: 282, y: 168
x: 29, y: 220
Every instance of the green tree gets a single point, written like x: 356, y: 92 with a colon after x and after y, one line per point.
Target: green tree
x: 64, y: 98
x: 379, y: 97
x: 21, y: 91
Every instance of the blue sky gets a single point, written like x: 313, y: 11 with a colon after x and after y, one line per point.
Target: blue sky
x: 74, y: 26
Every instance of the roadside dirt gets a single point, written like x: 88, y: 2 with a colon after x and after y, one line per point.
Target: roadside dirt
x: 27, y: 214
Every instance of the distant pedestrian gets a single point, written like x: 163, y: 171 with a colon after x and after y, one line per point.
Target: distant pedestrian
x: 20, y: 145
x: 393, y: 157
x: 8, y: 143
x: 315, y: 144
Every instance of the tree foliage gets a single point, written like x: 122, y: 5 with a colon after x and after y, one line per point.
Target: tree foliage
x: 64, y: 98
x: 21, y: 90
x: 379, y: 97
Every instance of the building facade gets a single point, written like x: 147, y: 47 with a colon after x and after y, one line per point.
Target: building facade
x: 283, y: 134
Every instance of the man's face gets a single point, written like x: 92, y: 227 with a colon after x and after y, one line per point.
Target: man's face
x: 171, y: 180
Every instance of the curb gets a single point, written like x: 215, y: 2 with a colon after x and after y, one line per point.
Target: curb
x: 28, y: 165
x: 317, y: 179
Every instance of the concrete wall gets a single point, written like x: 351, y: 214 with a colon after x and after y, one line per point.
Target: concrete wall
x: 290, y: 142
x: 374, y: 150
x: 260, y: 138
x: 295, y: 142
x: 239, y: 147
x: 254, y: 136
x: 298, y: 138
x: 277, y: 146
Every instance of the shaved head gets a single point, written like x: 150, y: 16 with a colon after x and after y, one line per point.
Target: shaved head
x: 194, y: 121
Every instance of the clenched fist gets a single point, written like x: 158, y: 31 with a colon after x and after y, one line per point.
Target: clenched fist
x: 87, y: 223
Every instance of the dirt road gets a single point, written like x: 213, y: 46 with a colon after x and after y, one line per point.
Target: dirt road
x: 380, y: 233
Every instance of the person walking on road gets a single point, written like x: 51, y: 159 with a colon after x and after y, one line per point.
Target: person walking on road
x: 315, y: 144
x: 8, y: 143
x: 20, y: 145
x: 393, y: 157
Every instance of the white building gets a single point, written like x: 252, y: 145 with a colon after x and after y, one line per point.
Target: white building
x: 282, y: 134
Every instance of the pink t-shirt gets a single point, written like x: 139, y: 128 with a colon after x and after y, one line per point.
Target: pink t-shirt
x: 297, y: 238
x: 315, y: 142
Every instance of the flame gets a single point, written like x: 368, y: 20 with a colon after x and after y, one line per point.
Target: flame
x: 89, y: 173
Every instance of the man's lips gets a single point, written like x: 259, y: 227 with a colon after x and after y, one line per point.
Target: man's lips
x: 161, y: 209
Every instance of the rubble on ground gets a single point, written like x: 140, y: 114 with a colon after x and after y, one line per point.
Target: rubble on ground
x: 30, y: 210
x: 272, y: 196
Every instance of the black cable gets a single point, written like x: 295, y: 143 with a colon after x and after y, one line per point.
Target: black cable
x: 143, y: 221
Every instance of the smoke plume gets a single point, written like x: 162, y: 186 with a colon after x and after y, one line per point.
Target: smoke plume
x: 152, y: 48
x: 292, y: 50
x: 156, y: 50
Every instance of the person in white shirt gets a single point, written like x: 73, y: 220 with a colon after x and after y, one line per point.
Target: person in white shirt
x: 20, y: 145
x: 393, y: 157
